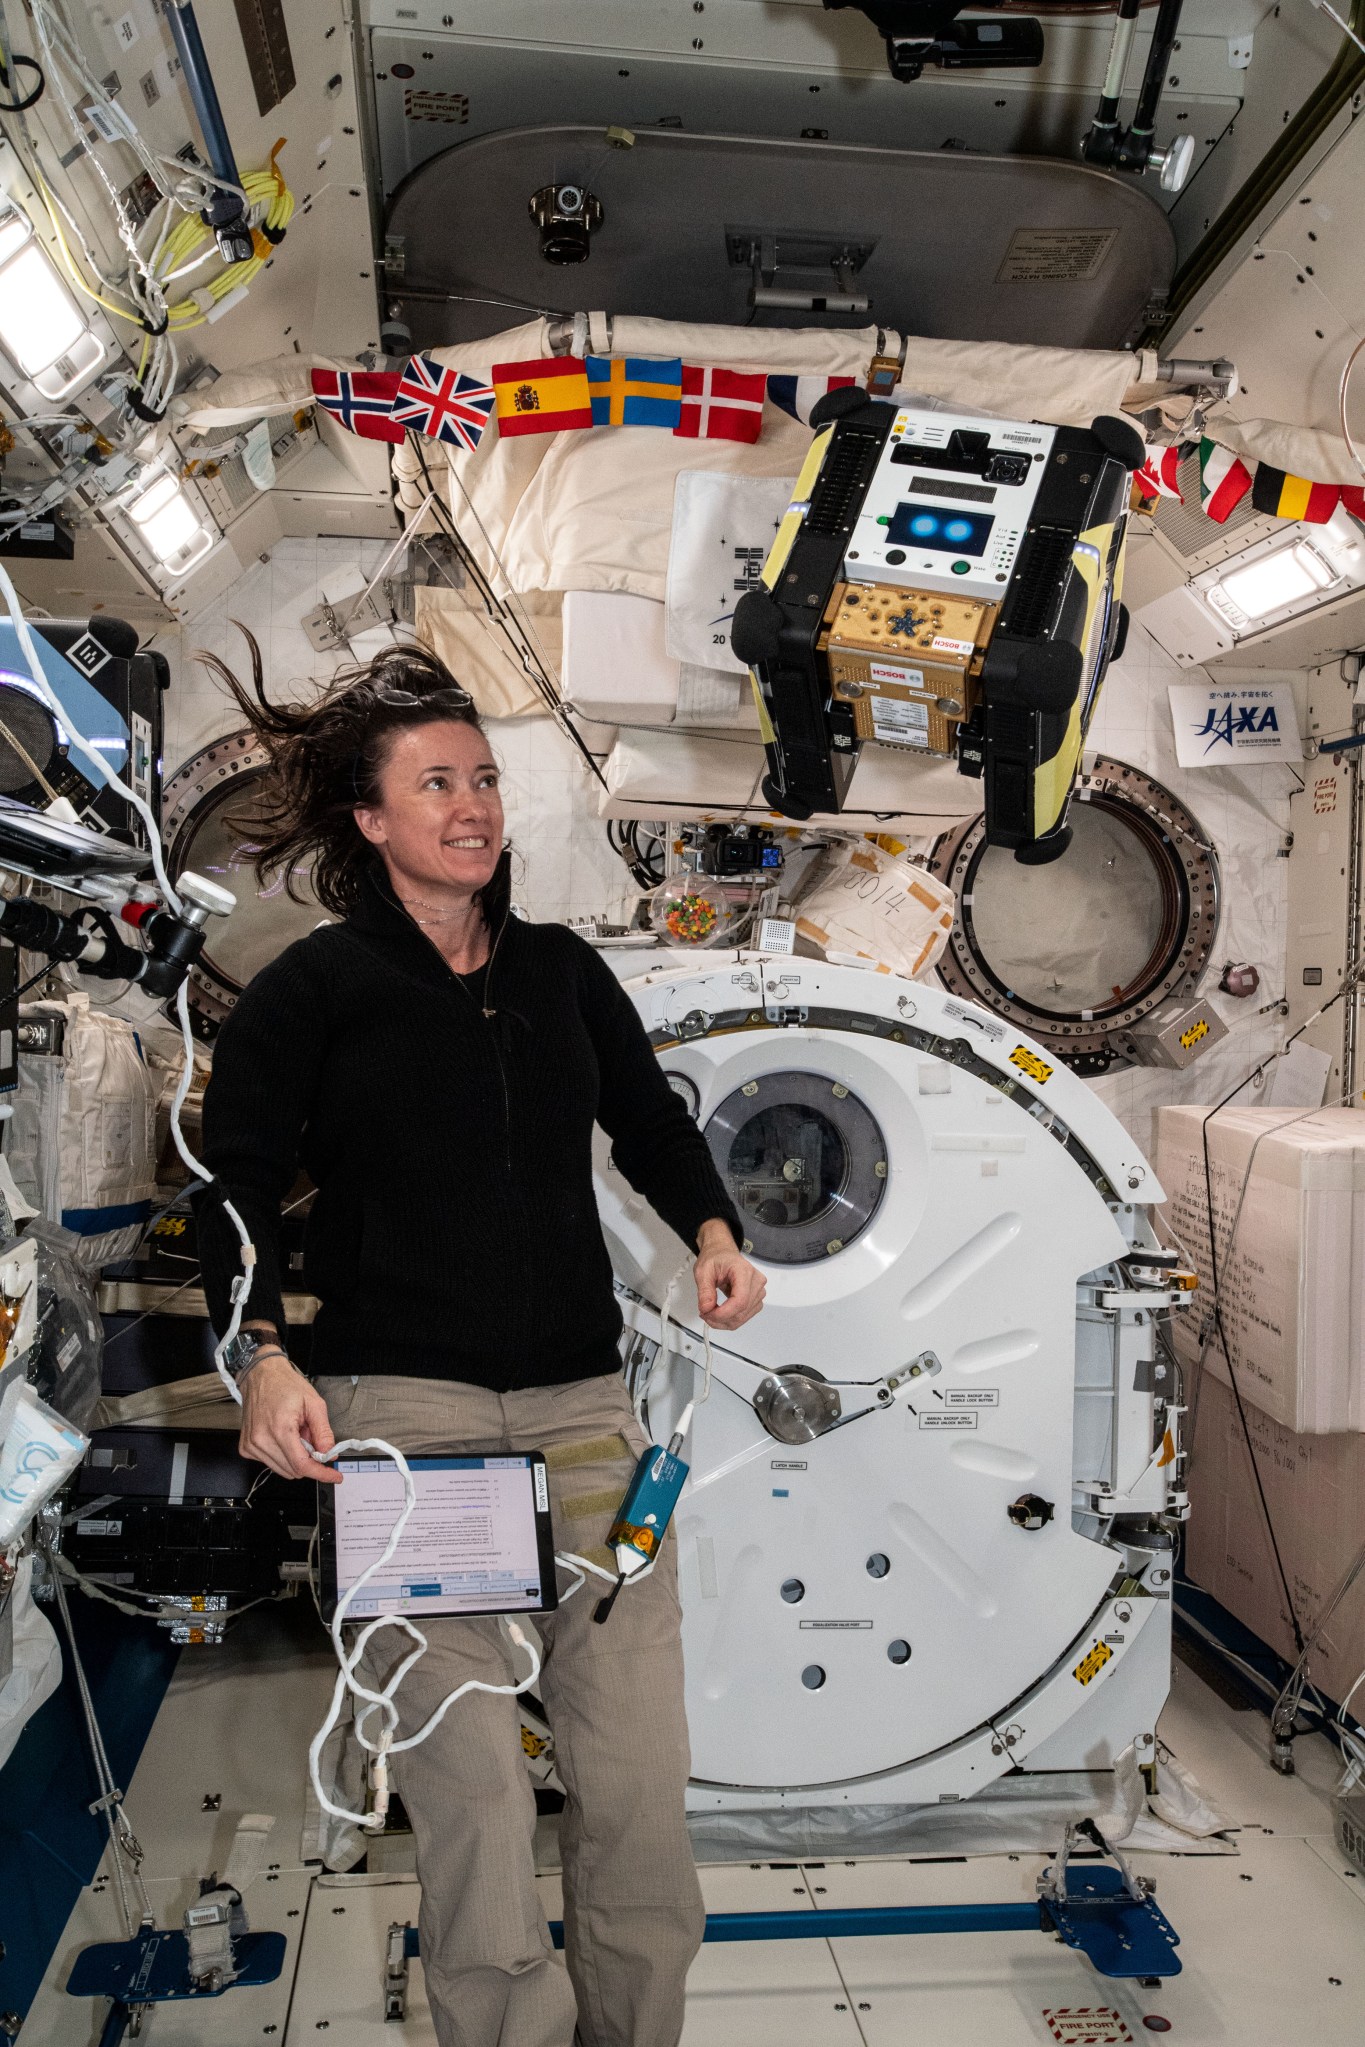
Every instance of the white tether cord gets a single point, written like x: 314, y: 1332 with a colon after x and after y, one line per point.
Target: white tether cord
x: 383, y: 1701
x: 662, y: 1353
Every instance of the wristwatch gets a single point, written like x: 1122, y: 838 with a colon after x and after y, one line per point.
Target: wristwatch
x: 245, y: 1348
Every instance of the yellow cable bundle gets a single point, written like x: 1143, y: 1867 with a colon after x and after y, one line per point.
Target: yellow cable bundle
x: 265, y: 189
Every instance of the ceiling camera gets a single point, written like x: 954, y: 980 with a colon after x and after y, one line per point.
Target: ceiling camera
x: 920, y: 32
x: 567, y: 216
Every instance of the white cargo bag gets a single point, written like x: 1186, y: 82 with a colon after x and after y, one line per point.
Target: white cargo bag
x: 81, y: 1141
x: 873, y: 905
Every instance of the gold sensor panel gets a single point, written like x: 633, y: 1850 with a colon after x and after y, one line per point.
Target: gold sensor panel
x: 907, y: 661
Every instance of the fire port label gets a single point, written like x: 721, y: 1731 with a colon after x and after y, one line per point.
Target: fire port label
x: 1081, y: 2024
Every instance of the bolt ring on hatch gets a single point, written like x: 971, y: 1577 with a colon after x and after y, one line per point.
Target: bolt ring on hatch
x: 1150, y: 938
x: 203, y: 805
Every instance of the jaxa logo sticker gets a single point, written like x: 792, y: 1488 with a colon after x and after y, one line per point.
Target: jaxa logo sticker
x: 1092, y: 1663
x: 1223, y: 724
x: 1230, y: 725
x: 1029, y: 1063
x: 87, y: 655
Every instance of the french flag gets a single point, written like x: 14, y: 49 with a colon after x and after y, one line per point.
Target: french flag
x: 796, y: 395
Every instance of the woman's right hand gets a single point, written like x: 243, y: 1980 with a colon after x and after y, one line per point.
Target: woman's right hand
x: 282, y: 1414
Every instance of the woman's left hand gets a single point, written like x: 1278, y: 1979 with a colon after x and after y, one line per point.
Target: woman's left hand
x: 722, y: 1269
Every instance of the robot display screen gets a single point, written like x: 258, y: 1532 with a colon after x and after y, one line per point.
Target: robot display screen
x: 942, y: 528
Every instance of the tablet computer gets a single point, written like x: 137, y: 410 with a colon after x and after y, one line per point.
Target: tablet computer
x: 478, y: 1540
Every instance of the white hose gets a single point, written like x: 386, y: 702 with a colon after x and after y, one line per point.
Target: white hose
x: 241, y: 1286
x: 384, y: 1701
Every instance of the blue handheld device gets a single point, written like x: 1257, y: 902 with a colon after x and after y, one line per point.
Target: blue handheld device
x: 643, y: 1515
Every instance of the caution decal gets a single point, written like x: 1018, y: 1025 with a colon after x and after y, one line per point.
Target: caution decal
x: 1195, y: 1032
x: 1092, y: 1663
x: 1029, y: 1063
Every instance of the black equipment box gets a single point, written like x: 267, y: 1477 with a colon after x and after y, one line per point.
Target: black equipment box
x: 947, y: 584
x: 178, y: 1513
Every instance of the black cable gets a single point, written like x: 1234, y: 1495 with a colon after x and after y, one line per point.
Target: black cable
x: 1218, y: 1309
x: 493, y: 604
x: 500, y: 616
x: 23, y: 64
x: 1227, y: 1353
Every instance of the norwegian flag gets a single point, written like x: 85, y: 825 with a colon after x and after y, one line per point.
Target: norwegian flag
x: 443, y: 403
x: 359, y: 400
x: 721, y: 405
x: 1159, y: 474
x: 796, y: 395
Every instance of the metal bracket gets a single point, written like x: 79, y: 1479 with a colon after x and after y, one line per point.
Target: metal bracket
x: 154, y: 1968
x: 396, y: 1972
x: 1120, y: 1934
x: 332, y: 627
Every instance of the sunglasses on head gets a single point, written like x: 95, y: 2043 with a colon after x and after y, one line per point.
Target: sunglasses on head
x: 452, y: 698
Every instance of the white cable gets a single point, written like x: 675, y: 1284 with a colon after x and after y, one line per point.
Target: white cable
x: 1342, y: 388
x: 241, y: 1285
x: 383, y: 1701
x: 107, y: 777
x: 662, y: 1353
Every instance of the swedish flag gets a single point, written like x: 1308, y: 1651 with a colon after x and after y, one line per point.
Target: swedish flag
x: 630, y: 391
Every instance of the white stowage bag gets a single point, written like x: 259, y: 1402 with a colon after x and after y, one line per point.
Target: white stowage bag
x: 871, y: 904
x: 30, y: 1661
x: 81, y: 1141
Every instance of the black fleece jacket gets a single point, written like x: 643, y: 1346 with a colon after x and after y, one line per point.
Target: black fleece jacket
x: 454, y: 1233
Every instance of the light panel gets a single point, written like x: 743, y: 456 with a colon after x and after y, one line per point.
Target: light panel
x: 169, y: 524
x: 1290, y: 574
x: 41, y: 327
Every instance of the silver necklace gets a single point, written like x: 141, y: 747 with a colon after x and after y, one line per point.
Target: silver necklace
x: 442, y: 916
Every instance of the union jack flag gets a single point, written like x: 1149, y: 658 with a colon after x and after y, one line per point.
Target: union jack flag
x: 443, y: 403
x: 359, y: 400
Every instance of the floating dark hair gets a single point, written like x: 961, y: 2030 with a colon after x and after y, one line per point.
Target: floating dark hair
x: 327, y: 756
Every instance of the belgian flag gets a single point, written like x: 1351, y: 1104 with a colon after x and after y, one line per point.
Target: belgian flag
x: 1293, y: 497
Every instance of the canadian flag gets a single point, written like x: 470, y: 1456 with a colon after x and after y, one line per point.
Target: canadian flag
x: 1159, y: 474
x: 721, y: 405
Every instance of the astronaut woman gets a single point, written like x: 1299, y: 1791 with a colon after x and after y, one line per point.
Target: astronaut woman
x: 436, y: 1067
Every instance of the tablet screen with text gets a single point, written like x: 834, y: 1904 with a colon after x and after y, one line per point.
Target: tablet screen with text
x: 478, y: 1540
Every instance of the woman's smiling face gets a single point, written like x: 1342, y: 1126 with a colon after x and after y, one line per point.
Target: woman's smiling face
x: 439, y: 821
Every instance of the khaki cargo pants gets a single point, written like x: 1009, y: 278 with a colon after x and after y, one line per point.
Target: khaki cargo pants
x: 613, y: 1695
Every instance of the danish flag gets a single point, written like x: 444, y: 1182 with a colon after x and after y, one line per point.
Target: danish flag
x: 443, y: 403
x: 359, y: 400
x: 721, y: 405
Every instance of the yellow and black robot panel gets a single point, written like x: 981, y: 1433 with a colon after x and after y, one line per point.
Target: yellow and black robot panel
x: 949, y: 585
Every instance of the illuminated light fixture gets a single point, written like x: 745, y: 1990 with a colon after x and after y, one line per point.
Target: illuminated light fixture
x: 1293, y: 571
x: 1278, y: 580
x: 41, y: 327
x: 169, y: 524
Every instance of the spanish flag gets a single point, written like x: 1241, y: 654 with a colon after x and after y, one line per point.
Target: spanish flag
x: 630, y: 391
x: 1293, y: 497
x: 548, y: 396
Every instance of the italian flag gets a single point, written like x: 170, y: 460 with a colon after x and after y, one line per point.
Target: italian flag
x: 1224, y: 480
